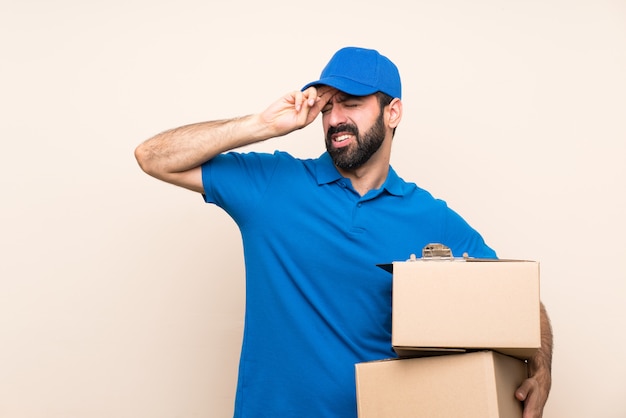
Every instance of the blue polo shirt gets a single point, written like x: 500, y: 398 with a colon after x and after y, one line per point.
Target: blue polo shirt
x: 316, y: 303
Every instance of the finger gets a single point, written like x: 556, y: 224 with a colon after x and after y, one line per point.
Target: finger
x: 525, y: 388
x: 532, y: 409
x: 527, y: 394
x: 320, y: 92
x: 323, y: 90
x: 311, y: 95
x: 323, y: 97
x: 298, y: 98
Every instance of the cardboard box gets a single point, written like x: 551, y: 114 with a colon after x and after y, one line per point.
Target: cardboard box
x: 472, y: 385
x: 466, y: 304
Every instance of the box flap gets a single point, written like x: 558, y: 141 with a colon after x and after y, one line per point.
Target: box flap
x: 388, y: 267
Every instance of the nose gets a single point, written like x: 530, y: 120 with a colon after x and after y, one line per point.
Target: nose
x: 336, y: 116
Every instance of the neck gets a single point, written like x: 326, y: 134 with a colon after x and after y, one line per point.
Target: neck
x: 365, y: 180
x: 372, y: 174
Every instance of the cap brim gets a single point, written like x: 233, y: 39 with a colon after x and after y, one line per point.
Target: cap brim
x: 345, y: 85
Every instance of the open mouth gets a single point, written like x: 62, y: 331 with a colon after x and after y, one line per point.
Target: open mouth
x: 342, y: 140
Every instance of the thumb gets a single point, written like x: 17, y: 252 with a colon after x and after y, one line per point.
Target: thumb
x: 522, y: 392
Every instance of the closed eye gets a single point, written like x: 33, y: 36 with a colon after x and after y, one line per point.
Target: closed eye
x: 345, y: 101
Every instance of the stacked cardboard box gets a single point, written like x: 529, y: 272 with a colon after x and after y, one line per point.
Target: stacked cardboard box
x: 472, y: 385
x: 462, y: 329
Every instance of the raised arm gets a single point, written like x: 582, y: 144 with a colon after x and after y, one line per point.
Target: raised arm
x: 175, y: 156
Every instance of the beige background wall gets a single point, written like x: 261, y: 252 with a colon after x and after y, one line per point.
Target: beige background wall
x: 121, y: 296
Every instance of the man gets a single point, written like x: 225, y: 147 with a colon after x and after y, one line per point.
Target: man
x: 313, y: 231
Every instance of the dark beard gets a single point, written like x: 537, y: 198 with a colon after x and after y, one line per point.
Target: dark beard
x: 349, y: 158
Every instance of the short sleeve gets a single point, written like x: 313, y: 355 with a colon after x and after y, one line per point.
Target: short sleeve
x: 462, y: 238
x: 236, y: 181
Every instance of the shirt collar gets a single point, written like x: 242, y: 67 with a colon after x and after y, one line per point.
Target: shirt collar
x: 393, y: 184
x: 326, y: 173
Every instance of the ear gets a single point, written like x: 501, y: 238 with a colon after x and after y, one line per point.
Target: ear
x: 394, y: 110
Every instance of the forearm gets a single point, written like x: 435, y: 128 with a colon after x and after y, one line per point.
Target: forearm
x: 175, y: 156
x: 181, y: 149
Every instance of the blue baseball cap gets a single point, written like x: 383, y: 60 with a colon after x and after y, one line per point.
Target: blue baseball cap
x: 360, y: 72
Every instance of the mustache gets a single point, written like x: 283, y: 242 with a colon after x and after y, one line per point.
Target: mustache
x: 344, y: 127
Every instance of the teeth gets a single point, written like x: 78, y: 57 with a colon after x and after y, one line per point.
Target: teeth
x: 342, y: 138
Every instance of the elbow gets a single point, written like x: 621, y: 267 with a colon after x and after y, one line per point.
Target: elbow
x: 143, y: 157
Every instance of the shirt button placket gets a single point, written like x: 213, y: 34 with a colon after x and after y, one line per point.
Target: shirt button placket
x: 357, y: 218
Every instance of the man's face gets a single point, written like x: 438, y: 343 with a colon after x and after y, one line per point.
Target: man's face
x: 344, y: 118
